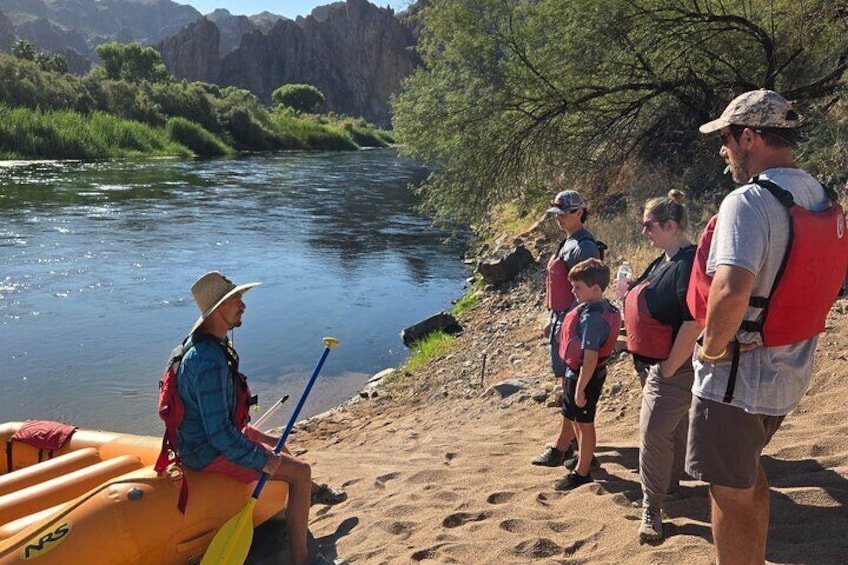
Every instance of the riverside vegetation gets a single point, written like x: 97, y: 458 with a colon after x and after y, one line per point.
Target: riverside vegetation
x: 130, y: 106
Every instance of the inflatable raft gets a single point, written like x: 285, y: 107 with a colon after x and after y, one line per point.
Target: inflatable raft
x: 97, y: 500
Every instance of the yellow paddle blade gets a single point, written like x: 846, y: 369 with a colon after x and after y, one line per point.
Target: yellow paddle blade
x: 232, y: 542
x: 330, y: 342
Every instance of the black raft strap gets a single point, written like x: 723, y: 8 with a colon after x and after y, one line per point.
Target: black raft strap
x: 731, y: 378
x: 9, y: 456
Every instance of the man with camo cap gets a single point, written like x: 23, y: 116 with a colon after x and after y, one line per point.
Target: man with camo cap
x: 746, y: 380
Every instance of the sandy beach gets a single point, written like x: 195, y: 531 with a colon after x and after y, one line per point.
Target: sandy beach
x: 438, y: 467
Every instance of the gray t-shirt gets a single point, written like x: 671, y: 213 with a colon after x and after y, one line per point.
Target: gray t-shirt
x: 752, y: 232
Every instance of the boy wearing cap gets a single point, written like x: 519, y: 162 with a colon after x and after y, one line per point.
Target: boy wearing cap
x: 569, y: 211
x: 213, y: 435
x: 745, y: 380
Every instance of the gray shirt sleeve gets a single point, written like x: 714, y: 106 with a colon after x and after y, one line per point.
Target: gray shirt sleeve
x: 741, y: 236
x: 595, y: 332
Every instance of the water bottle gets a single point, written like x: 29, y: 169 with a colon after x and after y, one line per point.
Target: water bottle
x: 622, y: 279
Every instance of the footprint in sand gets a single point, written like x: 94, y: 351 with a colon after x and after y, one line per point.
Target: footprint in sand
x: 515, y: 526
x: 449, y: 457
x: 499, y: 497
x: 538, y: 548
x: 383, y: 479
x: 429, y: 553
x: 460, y: 518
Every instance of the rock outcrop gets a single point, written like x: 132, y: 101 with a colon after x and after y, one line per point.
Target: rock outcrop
x: 354, y: 52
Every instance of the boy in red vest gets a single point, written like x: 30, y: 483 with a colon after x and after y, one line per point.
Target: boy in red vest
x: 588, y: 338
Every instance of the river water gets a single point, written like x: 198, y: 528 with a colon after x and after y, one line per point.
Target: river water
x: 97, y: 261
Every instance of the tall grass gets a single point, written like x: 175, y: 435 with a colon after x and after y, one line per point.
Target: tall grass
x: 301, y: 133
x: 63, y: 134
x: 196, y: 138
x: 436, y: 344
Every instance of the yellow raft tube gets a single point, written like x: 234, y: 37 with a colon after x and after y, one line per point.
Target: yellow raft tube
x: 98, y: 501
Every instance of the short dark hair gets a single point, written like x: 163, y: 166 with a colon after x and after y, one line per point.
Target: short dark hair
x: 774, y: 137
x: 592, y: 272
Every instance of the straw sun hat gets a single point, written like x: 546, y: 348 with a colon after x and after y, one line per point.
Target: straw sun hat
x: 211, y: 290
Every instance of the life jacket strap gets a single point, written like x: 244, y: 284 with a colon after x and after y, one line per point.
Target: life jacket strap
x: 734, y: 369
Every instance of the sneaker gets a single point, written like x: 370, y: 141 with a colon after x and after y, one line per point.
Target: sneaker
x: 325, y: 494
x: 571, y: 463
x: 552, y: 457
x: 572, y: 481
x: 651, y: 528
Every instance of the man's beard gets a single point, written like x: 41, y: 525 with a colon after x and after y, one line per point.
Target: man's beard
x: 739, y: 171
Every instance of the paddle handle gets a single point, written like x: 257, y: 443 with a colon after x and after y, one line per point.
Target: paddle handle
x: 329, y: 343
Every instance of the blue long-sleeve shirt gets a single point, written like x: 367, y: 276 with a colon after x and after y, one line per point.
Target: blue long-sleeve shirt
x: 206, y: 388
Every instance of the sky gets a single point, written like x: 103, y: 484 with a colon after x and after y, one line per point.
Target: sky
x: 288, y: 8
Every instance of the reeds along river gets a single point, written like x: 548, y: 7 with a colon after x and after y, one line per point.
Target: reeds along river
x: 97, y: 259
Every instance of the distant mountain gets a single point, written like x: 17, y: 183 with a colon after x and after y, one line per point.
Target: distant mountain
x: 232, y: 27
x: 354, y: 52
x: 82, y: 25
x: 7, y: 32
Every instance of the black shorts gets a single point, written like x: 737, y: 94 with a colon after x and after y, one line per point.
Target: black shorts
x: 585, y: 414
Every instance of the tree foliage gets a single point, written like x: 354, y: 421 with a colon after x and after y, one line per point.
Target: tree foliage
x: 597, y: 92
x: 132, y: 62
x: 301, y: 97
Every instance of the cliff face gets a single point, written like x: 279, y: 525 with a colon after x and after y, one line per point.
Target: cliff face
x: 192, y: 54
x: 354, y: 52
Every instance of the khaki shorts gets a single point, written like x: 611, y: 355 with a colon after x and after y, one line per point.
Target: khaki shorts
x: 725, y: 443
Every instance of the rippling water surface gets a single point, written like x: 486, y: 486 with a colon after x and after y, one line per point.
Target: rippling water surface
x: 97, y: 259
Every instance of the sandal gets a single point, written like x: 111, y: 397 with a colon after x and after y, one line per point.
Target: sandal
x: 326, y: 494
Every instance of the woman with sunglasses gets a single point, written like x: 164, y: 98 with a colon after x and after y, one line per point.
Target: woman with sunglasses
x: 661, y: 334
x: 569, y: 210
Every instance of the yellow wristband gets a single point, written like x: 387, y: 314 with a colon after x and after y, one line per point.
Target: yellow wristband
x: 713, y: 357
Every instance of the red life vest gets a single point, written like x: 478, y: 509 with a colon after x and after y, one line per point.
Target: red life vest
x: 44, y: 435
x: 646, y: 336
x: 558, y: 295
x: 172, y: 409
x: 570, y: 339
x: 808, y: 281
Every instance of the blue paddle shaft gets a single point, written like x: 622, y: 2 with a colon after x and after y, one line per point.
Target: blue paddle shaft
x: 261, y: 484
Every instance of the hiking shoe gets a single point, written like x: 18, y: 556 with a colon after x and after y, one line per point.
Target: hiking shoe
x: 571, y: 463
x: 326, y: 494
x: 552, y: 457
x: 651, y: 528
x: 572, y: 481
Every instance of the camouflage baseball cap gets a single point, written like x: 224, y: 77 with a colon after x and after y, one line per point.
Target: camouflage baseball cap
x: 566, y: 201
x: 757, y: 108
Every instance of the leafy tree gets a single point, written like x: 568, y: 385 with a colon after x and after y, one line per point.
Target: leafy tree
x: 301, y: 97
x: 514, y: 93
x: 132, y: 62
x: 23, y: 49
